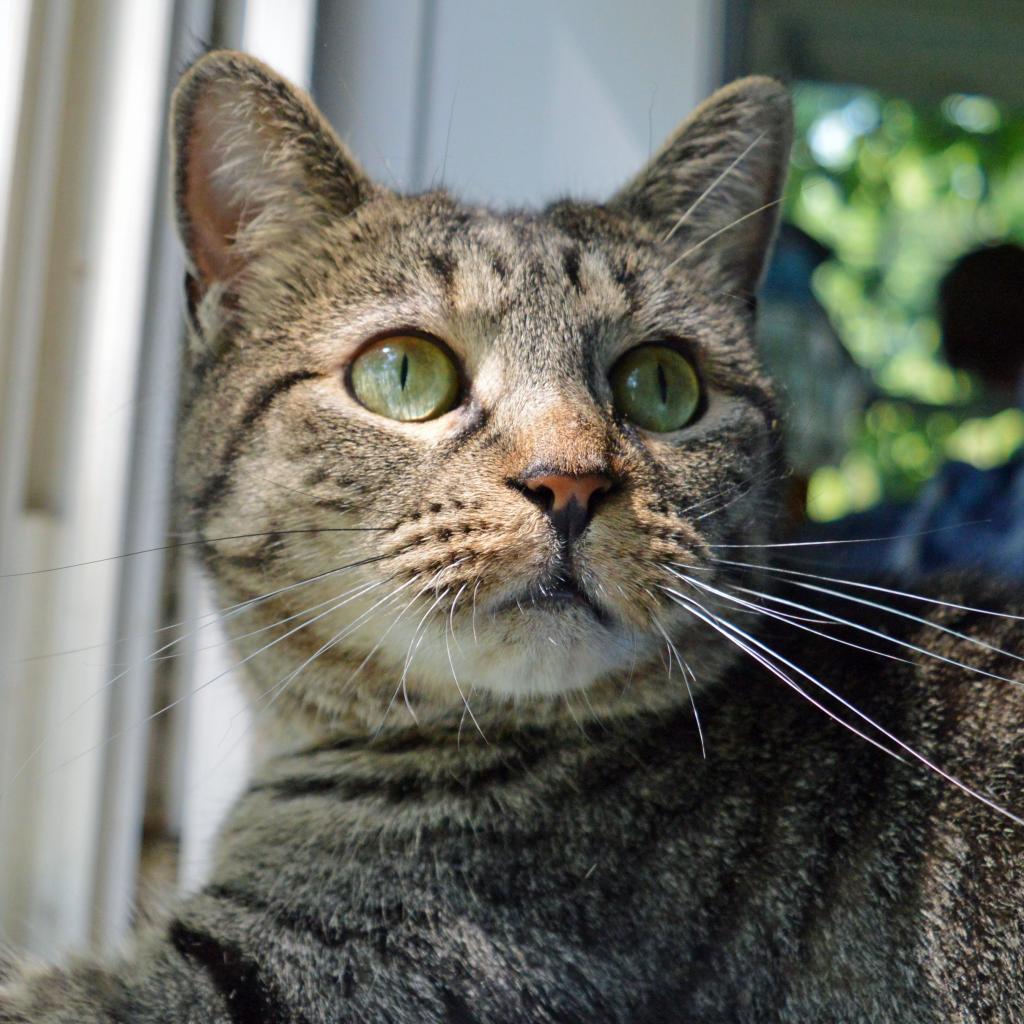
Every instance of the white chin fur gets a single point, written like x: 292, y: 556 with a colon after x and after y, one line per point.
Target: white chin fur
x: 532, y: 654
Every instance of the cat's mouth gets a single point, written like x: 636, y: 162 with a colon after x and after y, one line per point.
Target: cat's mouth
x: 561, y: 594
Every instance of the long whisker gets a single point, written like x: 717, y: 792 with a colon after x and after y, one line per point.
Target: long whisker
x: 867, y: 629
x: 799, y: 622
x: 376, y: 647
x: 249, y: 602
x: 418, y: 634
x: 234, y: 638
x: 451, y: 618
x: 278, y: 689
x: 414, y: 644
x: 473, y: 619
x: 907, y: 615
x: 192, y: 543
x: 739, y: 496
x: 209, y: 682
x: 855, y: 540
x: 875, y: 587
x: 458, y: 686
x: 211, y: 617
x: 346, y: 631
x: 728, y: 630
x: 746, y: 486
x: 722, y: 231
x: 567, y: 704
x: 685, y: 670
x: 711, y: 188
x: 401, y: 680
x: 988, y: 802
x: 234, y: 610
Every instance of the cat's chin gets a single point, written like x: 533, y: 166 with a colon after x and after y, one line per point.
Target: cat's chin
x: 547, y: 647
x: 552, y: 609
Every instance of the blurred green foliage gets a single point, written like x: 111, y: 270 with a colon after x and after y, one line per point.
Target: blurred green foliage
x: 898, y: 192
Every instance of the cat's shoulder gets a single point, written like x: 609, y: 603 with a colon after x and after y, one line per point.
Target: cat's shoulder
x: 935, y: 664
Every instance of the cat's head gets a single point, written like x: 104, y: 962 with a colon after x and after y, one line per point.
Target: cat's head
x: 439, y: 456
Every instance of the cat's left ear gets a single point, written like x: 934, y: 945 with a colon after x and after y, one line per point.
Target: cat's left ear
x: 256, y: 166
x: 714, y: 189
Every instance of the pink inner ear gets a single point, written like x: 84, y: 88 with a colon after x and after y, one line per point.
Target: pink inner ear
x: 214, y: 217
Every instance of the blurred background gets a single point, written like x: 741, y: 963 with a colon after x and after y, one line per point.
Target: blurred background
x: 121, y: 735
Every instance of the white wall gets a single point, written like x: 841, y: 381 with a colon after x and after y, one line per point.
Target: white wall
x: 514, y: 103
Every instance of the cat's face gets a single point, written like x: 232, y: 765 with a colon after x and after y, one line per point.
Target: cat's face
x: 465, y: 448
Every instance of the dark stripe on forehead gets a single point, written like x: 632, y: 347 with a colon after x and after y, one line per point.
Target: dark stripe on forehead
x: 217, y: 485
x: 444, y: 265
x: 625, y: 277
x: 500, y: 267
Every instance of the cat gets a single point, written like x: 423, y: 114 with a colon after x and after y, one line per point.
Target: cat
x: 554, y: 732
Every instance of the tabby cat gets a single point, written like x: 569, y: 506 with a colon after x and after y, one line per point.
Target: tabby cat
x: 490, y: 501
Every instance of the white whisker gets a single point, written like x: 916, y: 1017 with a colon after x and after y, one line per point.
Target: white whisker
x: 793, y: 620
x: 451, y: 618
x: 912, y: 618
x: 685, y: 670
x: 348, y: 629
x: 376, y: 647
x: 475, y: 589
x: 467, y: 710
x: 775, y: 599
x: 727, y: 629
x: 708, y: 617
x: 722, y: 231
x: 875, y: 587
x: 209, y: 682
x: 853, y: 540
x: 711, y: 188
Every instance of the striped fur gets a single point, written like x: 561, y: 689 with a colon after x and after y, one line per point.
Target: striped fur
x: 477, y: 808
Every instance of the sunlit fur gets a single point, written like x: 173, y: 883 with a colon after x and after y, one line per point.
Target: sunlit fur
x: 536, y: 307
x: 485, y: 807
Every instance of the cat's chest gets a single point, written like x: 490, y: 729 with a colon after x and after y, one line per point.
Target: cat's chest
x: 632, y: 886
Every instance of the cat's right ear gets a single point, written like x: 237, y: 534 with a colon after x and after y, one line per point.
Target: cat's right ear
x: 713, y: 191
x: 255, y: 165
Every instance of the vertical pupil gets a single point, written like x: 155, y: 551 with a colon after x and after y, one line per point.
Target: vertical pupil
x: 403, y: 373
x: 662, y: 384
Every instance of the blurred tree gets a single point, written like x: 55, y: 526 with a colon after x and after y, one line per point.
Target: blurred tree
x: 897, y: 193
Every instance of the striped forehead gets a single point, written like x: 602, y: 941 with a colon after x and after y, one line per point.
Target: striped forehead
x: 531, y: 293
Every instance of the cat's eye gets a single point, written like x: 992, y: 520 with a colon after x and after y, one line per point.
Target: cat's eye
x: 656, y: 387
x: 405, y: 378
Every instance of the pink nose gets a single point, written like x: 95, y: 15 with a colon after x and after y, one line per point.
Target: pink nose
x: 567, y: 501
x: 561, y: 490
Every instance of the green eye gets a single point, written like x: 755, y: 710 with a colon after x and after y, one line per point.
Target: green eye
x: 405, y: 378
x: 656, y: 387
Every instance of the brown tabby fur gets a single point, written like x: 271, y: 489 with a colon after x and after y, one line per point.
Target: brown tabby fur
x: 484, y: 806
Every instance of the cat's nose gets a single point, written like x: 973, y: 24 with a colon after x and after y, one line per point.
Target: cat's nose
x: 568, y: 500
